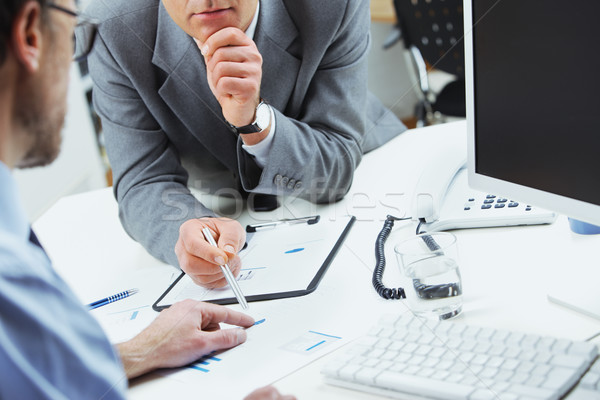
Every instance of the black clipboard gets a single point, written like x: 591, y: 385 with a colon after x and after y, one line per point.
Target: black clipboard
x: 326, y: 238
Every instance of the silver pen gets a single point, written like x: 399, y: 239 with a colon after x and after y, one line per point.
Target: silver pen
x: 227, y: 272
x: 313, y: 219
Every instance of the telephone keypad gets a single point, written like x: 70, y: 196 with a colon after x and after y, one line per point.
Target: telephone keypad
x: 492, y: 201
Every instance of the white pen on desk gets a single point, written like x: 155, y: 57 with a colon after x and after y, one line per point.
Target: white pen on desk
x: 313, y: 219
x: 227, y: 272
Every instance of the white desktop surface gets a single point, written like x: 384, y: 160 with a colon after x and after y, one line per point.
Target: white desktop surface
x: 507, y: 272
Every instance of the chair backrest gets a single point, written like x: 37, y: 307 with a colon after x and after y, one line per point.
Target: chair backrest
x: 435, y: 27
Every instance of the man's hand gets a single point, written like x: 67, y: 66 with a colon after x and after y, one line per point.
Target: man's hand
x: 268, y: 393
x: 234, y: 73
x: 182, y: 334
x: 200, y: 260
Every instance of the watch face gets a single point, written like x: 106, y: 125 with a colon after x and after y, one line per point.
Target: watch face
x: 263, y: 116
x: 261, y: 122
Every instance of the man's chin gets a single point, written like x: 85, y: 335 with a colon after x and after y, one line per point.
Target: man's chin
x: 39, y: 158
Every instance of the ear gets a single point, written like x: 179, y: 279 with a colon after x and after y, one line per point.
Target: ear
x: 27, y: 35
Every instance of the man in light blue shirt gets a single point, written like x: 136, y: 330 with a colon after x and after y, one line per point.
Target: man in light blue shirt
x: 50, y: 347
x: 47, y: 340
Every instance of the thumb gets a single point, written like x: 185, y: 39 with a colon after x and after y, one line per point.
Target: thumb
x: 231, y: 235
x: 226, y: 338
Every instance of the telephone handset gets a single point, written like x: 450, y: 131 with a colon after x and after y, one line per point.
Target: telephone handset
x: 434, y: 182
x: 443, y: 200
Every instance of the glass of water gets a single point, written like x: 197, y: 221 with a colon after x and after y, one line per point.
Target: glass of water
x: 429, y: 264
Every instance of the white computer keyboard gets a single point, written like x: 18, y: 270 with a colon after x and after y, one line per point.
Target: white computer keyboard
x: 411, y: 358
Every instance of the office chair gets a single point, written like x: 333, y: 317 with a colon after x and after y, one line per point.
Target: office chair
x: 432, y: 32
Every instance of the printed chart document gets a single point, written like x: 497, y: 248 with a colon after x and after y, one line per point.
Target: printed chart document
x: 285, y: 261
x: 292, y: 333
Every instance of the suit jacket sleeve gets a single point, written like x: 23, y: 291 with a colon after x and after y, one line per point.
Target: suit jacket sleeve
x: 149, y: 181
x: 315, y: 153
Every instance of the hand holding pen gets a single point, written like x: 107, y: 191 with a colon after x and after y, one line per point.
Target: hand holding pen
x: 201, y: 261
x: 227, y: 272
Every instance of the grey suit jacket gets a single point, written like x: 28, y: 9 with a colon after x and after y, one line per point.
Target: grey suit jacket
x: 164, y: 129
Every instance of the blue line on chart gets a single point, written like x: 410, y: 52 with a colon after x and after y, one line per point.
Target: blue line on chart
x: 294, y: 250
x: 257, y: 323
x: 250, y: 269
x: 134, y: 315
x: 323, y: 334
x: 315, y: 345
x: 203, y: 361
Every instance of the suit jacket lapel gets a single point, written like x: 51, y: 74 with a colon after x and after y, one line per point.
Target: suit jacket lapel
x: 274, y: 34
x: 186, y: 90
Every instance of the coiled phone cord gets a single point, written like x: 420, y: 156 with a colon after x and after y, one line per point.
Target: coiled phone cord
x: 424, y: 291
x: 380, y: 288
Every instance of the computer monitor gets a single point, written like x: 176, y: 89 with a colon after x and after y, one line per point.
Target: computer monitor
x: 533, y: 102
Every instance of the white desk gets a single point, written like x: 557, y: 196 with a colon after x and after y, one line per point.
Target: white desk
x: 506, y: 271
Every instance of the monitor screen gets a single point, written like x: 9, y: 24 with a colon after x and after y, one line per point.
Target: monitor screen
x: 533, y: 102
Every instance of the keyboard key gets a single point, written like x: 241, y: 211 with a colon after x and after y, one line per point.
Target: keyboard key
x: 348, y: 371
x: 423, y: 386
x: 560, y: 379
x: 587, y: 350
x: 591, y: 381
x: 332, y: 368
x: 366, y: 375
x: 533, y: 392
x: 568, y: 361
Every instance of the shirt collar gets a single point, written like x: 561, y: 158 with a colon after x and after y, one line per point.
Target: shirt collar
x: 12, y: 216
x: 252, y: 27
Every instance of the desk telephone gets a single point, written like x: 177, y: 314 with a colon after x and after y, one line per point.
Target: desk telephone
x: 442, y: 201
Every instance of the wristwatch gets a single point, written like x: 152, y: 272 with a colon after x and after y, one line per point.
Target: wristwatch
x: 261, y: 121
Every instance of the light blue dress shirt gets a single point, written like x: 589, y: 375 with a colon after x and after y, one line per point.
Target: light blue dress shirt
x: 50, y: 347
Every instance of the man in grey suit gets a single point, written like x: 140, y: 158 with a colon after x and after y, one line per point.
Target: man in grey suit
x: 264, y: 97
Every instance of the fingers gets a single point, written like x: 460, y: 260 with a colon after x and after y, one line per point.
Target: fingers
x: 235, y: 54
x: 231, y: 236
x: 234, y: 73
x: 182, y: 334
x: 225, y: 37
x: 209, y: 275
x: 202, y: 261
x: 197, y: 255
x: 225, y: 338
x: 212, y: 313
x: 202, y: 272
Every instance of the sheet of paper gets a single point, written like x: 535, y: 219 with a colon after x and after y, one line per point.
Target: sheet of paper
x: 294, y: 332
x: 282, y: 259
